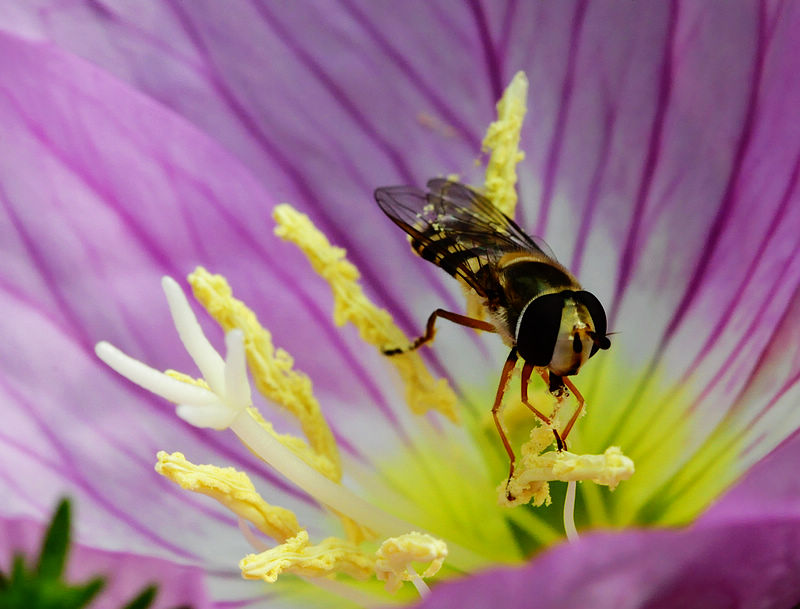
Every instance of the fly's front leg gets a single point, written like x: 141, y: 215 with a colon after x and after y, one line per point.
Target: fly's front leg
x: 430, y: 330
x: 527, y: 369
x: 555, y: 387
x: 508, y: 368
x: 578, y: 410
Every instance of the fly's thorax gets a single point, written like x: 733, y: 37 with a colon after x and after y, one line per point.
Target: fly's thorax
x: 561, y: 330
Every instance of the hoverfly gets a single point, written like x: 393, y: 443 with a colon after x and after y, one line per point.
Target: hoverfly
x: 534, y: 303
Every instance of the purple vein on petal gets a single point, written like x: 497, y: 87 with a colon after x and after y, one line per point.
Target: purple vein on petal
x: 505, y: 28
x: 336, y: 92
x: 587, y: 216
x: 494, y: 68
x: 731, y: 189
x: 12, y: 487
x: 651, y: 160
x: 105, y: 13
x: 77, y: 331
x: 71, y: 472
x: 746, y: 278
x: 414, y: 78
x: 557, y: 140
x: 158, y: 254
x: 788, y: 384
x: 789, y: 314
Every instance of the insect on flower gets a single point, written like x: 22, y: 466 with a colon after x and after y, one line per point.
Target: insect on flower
x: 533, y: 302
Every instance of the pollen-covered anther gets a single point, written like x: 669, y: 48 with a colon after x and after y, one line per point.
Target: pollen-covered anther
x: 375, y: 325
x: 396, y: 556
x: 534, y: 470
x: 299, y: 557
x: 502, y: 139
x: 502, y: 142
x: 231, y: 488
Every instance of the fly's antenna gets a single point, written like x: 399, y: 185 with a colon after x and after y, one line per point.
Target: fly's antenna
x: 602, y: 342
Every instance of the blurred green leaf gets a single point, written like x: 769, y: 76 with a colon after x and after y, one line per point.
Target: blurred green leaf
x: 53, y: 556
x: 144, y: 599
x: 42, y: 587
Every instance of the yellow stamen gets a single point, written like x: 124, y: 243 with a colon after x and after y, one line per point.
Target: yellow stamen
x: 502, y: 139
x: 232, y: 489
x: 297, y: 556
x: 397, y: 554
x: 535, y: 468
x: 375, y: 325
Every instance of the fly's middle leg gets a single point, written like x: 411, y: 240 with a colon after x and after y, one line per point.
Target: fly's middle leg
x: 430, y: 329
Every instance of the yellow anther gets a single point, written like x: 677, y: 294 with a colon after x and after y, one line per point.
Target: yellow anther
x: 608, y: 469
x: 297, y: 556
x: 502, y: 139
x: 397, y: 554
x: 232, y: 489
x: 375, y: 325
x: 271, y: 368
x: 535, y: 469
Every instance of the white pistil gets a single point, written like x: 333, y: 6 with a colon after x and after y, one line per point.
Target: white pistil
x: 569, y: 512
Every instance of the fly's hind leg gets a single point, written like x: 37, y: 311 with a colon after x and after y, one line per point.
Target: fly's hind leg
x: 430, y: 330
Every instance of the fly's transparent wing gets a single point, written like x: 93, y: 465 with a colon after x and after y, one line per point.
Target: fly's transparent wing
x: 458, y: 229
x: 486, y: 215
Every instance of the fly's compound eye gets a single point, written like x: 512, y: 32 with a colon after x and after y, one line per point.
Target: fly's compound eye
x: 538, y: 328
x: 598, y: 315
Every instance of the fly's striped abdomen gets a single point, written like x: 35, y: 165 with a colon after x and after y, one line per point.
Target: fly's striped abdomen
x: 448, y: 254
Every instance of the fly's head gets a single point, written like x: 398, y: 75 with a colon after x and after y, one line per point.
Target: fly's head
x: 561, y: 330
